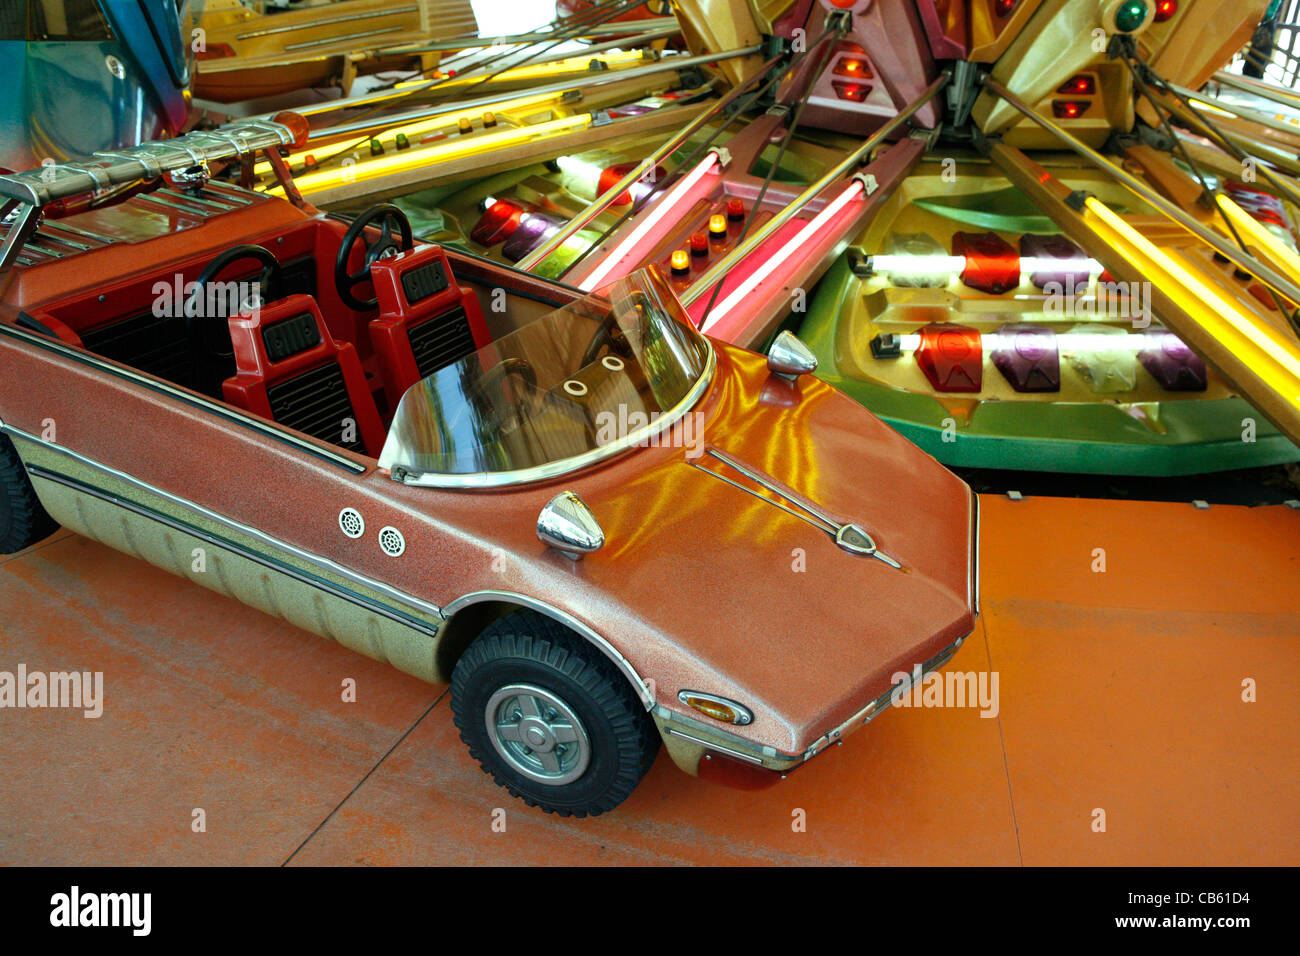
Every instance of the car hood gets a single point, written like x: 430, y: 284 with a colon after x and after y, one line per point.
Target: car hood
x: 704, y: 586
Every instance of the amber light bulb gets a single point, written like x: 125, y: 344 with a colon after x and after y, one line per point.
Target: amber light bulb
x: 718, y: 226
x: 681, y: 262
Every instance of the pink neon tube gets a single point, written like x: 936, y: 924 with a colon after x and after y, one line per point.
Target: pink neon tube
x: 738, y: 294
x: 624, y: 248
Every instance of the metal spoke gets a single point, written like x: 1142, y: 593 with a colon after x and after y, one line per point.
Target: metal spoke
x: 564, y: 733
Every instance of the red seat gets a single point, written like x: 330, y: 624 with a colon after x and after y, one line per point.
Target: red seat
x: 290, y: 370
x: 426, y: 320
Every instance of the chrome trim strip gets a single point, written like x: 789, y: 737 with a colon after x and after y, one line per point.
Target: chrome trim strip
x: 43, y: 233
x: 226, y: 412
x: 352, y: 597
x: 882, y: 703
x: 565, y: 618
x: 232, y: 192
x: 576, y: 463
x: 65, y: 226
x: 716, y: 748
x: 199, y: 200
x: 271, y: 541
x: 173, y: 204
x: 823, y: 521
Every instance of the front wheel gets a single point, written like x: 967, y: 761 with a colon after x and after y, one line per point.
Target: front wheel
x: 550, y: 718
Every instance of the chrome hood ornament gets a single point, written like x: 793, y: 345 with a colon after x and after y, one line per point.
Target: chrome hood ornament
x: 567, y: 525
x: 850, y: 537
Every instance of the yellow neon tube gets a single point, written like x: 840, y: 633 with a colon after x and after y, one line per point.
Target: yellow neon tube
x: 389, y: 136
x: 442, y: 152
x: 1219, y: 315
x: 1283, y: 258
x: 575, y: 63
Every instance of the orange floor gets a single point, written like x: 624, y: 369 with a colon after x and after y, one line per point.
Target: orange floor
x: 1119, y: 691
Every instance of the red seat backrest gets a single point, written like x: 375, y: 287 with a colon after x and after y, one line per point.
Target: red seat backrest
x: 416, y: 288
x: 292, y: 371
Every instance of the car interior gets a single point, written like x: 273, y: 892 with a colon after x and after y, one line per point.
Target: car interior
x: 350, y: 317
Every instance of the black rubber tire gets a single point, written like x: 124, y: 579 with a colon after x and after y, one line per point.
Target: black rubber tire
x: 526, y: 647
x: 23, y: 521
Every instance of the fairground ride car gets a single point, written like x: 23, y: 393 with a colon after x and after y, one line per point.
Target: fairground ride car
x: 589, y: 518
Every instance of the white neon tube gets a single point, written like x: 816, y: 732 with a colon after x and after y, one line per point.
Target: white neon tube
x: 906, y: 265
x: 662, y: 209
x: 815, y: 225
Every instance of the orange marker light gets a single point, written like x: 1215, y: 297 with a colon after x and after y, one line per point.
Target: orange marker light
x: 717, y: 226
x: 735, y: 208
x: 699, y: 244
x: 681, y: 262
x: 852, y: 66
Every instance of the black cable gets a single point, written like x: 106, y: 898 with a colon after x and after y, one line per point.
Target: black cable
x: 621, y: 6
x: 742, y: 107
x: 686, y: 164
x: 1137, y: 68
x: 776, y: 163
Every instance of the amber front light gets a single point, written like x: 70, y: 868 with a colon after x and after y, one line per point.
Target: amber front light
x: 719, y: 708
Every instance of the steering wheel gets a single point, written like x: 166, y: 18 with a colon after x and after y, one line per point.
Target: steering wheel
x: 494, y: 379
x: 197, y: 319
x: 386, y: 215
x: 608, y: 333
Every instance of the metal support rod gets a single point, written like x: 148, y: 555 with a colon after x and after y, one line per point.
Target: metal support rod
x: 668, y: 26
x: 379, y: 96
x: 605, y: 199
x: 719, y: 269
x: 1269, y: 91
x: 1225, y: 248
x: 1240, y: 111
x: 1191, y: 98
x: 665, y: 65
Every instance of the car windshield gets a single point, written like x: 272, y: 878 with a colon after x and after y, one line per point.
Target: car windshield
x: 609, y: 371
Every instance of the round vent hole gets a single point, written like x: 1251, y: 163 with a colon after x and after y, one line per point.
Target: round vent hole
x: 351, y: 522
x: 391, y: 542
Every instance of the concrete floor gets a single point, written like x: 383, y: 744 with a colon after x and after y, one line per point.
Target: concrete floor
x: 1119, y: 691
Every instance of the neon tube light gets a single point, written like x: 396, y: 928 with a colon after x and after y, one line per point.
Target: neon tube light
x: 813, y: 227
x: 413, y: 158
x: 907, y: 265
x: 1267, y: 340
x: 662, y: 209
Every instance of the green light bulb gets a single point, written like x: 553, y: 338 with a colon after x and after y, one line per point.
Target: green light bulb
x: 1130, y: 16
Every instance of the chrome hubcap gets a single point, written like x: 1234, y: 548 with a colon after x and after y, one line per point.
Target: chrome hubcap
x: 538, y: 734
